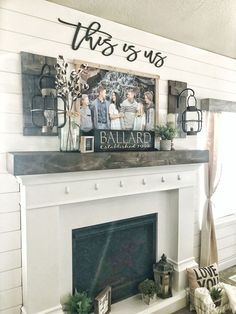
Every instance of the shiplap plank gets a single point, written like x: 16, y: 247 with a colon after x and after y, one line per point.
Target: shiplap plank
x: 10, y: 62
x: 41, y: 48
x: 227, y: 253
x: 8, y: 183
x: 10, y: 279
x: 10, y: 260
x: 226, y: 230
x: 18, y: 142
x: 10, y: 301
x: 3, y: 165
x: 10, y: 103
x: 228, y: 241
x: 9, y: 202
x: 11, y: 123
x: 10, y: 83
x: 9, y: 222
x: 15, y: 309
x: 10, y: 241
x: 165, y: 72
x: 51, y: 12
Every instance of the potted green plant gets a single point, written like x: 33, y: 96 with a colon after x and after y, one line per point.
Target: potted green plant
x: 147, y: 289
x: 215, y: 294
x: 79, y: 303
x: 166, y: 132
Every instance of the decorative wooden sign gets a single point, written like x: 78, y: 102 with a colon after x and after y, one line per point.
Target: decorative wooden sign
x: 31, y: 67
x: 174, y: 89
x: 114, y: 140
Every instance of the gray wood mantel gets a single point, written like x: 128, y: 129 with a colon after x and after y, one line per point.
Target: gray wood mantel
x: 31, y: 163
x: 218, y: 105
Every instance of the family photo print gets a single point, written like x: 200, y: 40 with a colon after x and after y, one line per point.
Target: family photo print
x: 119, y: 108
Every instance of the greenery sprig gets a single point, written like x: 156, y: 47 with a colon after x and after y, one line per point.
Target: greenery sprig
x: 79, y: 303
x: 215, y: 293
x: 165, y: 132
x: 148, y: 287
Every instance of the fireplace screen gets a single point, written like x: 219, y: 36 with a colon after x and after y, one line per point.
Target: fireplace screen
x: 120, y: 254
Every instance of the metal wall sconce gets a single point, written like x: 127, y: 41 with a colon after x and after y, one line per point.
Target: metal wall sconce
x: 44, y: 107
x: 182, y: 109
x: 192, y: 116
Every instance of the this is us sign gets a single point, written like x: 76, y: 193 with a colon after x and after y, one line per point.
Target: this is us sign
x: 96, y: 37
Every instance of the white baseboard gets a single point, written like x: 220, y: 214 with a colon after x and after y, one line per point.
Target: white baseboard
x: 53, y: 310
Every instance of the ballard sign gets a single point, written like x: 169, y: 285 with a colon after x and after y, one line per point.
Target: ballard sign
x: 113, y: 140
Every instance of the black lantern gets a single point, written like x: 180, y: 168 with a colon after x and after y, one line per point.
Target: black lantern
x: 44, y: 107
x: 192, y: 116
x: 163, y: 273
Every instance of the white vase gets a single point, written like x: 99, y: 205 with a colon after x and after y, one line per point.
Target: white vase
x: 165, y: 145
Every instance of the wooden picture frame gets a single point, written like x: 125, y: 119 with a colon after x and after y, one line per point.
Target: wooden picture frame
x: 87, y: 144
x: 103, y: 302
x: 124, y: 105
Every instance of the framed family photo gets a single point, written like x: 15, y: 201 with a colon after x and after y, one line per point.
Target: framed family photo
x: 103, y: 302
x: 120, y: 108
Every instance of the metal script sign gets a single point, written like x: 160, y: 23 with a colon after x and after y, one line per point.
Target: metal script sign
x: 118, y: 140
x: 95, y: 37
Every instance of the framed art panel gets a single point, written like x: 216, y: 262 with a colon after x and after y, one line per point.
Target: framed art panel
x: 120, y: 107
x: 103, y: 302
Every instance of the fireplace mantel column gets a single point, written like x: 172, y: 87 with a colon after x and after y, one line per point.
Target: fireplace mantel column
x: 46, y: 200
x: 183, y: 257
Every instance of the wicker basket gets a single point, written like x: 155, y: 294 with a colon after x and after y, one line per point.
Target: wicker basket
x: 202, y: 307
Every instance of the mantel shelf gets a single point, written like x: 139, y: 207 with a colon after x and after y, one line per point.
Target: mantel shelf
x: 32, y: 163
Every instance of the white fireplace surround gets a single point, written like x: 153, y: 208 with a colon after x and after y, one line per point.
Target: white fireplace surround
x: 54, y: 204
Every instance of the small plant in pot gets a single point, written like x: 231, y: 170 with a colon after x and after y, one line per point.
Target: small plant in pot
x: 167, y: 133
x: 79, y: 303
x: 147, y: 289
x: 216, y: 294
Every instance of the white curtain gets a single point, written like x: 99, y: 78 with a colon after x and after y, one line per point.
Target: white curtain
x: 209, y: 254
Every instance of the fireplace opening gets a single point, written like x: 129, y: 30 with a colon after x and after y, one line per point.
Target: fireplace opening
x: 119, y: 254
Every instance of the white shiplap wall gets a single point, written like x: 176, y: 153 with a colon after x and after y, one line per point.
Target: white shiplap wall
x: 32, y: 26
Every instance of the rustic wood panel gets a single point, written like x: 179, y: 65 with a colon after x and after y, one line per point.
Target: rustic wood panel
x: 174, y: 89
x: 31, y: 66
x: 23, y: 163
